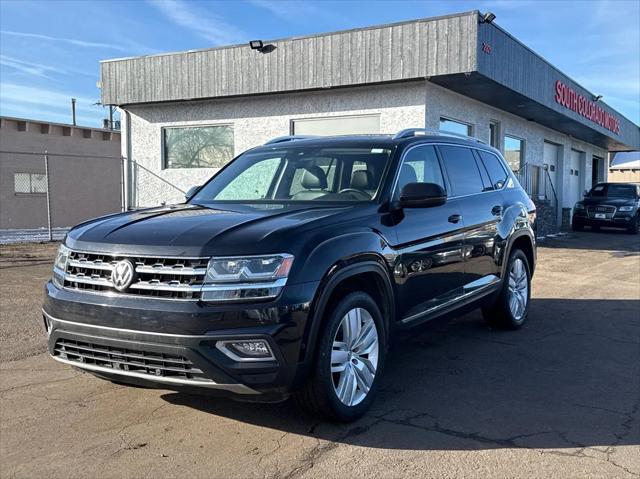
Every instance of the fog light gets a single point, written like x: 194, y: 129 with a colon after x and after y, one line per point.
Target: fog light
x: 246, y: 350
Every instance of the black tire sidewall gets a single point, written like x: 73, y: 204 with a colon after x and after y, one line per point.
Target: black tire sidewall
x: 323, y: 375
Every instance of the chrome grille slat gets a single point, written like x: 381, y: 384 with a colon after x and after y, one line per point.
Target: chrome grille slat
x: 163, y: 278
x: 608, y: 210
x: 117, y: 358
x: 171, y: 270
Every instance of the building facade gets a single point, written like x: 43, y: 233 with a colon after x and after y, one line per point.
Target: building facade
x: 186, y: 114
x: 84, y: 173
x: 624, y: 167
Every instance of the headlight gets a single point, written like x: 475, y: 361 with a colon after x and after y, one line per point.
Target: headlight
x: 579, y: 206
x: 60, y: 265
x: 246, y: 277
x: 625, y: 208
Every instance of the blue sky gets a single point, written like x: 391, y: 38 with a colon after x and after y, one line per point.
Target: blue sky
x: 50, y: 50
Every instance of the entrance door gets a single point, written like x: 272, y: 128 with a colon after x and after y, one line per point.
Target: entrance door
x: 575, y: 194
x: 596, y: 163
x: 550, y: 160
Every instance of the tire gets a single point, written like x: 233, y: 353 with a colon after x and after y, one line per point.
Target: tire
x: 516, y: 286
x: 577, y: 227
x: 634, y: 228
x: 321, y: 395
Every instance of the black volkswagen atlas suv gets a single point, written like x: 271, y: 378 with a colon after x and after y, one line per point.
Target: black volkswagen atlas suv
x: 615, y: 205
x: 286, y: 273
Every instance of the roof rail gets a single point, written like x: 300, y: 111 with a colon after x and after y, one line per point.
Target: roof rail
x: 411, y: 132
x: 283, y: 139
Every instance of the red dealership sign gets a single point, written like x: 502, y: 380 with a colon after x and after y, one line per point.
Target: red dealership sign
x: 569, y: 98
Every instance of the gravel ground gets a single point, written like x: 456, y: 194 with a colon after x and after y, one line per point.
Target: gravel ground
x: 560, y: 398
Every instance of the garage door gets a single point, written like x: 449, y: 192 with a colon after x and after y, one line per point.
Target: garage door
x: 575, y: 175
x: 550, y: 160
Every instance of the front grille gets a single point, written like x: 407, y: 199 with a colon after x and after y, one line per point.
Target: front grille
x: 607, y: 210
x: 122, y: 359
x: 170, y: 278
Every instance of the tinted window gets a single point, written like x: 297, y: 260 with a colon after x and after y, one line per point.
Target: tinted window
x: 420, y: 165
x: 462, y: 170
x: 497, y: 173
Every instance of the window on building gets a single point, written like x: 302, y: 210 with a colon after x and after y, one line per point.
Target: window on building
x: 454, y: 126
x: 514, y: 151
x: 29, y: 183
x: 462, y: 169
x: 337, y: 125
x: 494, y: 134
x: 420, y: 165
x: 497, y: 173
x: 198, y: 147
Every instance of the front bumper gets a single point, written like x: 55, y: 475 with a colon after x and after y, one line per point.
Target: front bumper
x: 619, y: 220
x: 172, y: 345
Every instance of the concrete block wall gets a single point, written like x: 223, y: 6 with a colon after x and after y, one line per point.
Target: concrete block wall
x: 258, y: 119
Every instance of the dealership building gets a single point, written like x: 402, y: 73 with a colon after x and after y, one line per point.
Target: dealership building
x: 184, y: 115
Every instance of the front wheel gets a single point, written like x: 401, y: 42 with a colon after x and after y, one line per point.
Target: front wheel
x: 511, y: 307
x: 349, y: 360
x: 634, y: 227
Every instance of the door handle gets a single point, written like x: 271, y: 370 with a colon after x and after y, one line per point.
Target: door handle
x: 496, y: 210
x: 455, y: 218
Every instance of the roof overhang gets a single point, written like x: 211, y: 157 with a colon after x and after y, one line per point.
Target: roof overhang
x: 459, y: 52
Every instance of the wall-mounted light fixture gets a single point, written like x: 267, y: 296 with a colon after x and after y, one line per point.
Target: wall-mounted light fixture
x: 260, y: 46
x: 488, y: 17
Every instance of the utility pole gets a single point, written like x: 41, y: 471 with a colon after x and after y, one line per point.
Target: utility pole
x: 73, y: 111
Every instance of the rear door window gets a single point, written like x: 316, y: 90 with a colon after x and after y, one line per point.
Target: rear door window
x: 462, y: 170
x: 497, y: 173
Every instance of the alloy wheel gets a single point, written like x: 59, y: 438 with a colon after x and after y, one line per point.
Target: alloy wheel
x: 354, y: 356
x: 518, y: 289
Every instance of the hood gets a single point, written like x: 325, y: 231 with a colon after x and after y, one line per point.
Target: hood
x: 183, y: 230
x: 612, y: 201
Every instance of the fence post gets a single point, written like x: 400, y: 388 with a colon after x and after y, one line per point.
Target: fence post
x: 46, y: 174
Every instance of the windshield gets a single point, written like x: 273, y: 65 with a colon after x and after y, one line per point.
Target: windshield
x: 289, y: 174
x: 613, y: 191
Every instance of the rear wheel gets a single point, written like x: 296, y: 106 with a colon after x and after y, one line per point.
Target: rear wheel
x: 349, y: 361
x: 511, y: 307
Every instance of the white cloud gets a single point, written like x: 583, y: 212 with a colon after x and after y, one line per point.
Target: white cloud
x: 36, y: 69
x: 291, y: 10
x: 13, y: 94
x: 202, y: 23
x: 70, y: 41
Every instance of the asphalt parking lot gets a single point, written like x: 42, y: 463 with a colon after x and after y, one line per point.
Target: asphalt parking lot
x: 560, y: 398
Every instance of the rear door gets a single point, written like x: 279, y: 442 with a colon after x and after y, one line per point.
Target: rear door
x: 482, y: 205
x: 429, y: 268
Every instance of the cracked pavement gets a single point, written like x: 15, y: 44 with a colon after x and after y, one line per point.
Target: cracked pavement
x: 560, y: 398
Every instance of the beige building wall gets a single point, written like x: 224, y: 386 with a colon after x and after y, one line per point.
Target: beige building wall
x: 84, y: 173
x: 624, y: 175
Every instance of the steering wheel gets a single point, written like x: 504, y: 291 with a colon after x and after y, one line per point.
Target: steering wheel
x: 360, y: 193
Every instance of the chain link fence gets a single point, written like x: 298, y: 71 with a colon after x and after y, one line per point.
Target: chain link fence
x: 44, y: 194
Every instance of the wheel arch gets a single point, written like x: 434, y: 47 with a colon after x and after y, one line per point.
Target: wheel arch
x: 368, y: 274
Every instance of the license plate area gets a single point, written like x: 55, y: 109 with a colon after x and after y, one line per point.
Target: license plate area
x: 601, y: 216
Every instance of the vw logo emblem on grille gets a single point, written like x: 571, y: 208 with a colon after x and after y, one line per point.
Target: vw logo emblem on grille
x: 122, y: 274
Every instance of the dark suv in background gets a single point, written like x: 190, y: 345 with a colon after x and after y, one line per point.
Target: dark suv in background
x: 614, y: 205
x: 288, y: 270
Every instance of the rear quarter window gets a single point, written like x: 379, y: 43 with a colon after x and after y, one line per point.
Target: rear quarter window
x: 497, y: 173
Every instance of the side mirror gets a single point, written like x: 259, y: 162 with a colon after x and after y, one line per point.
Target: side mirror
x: 191, y: 192
x: 422, y: 195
